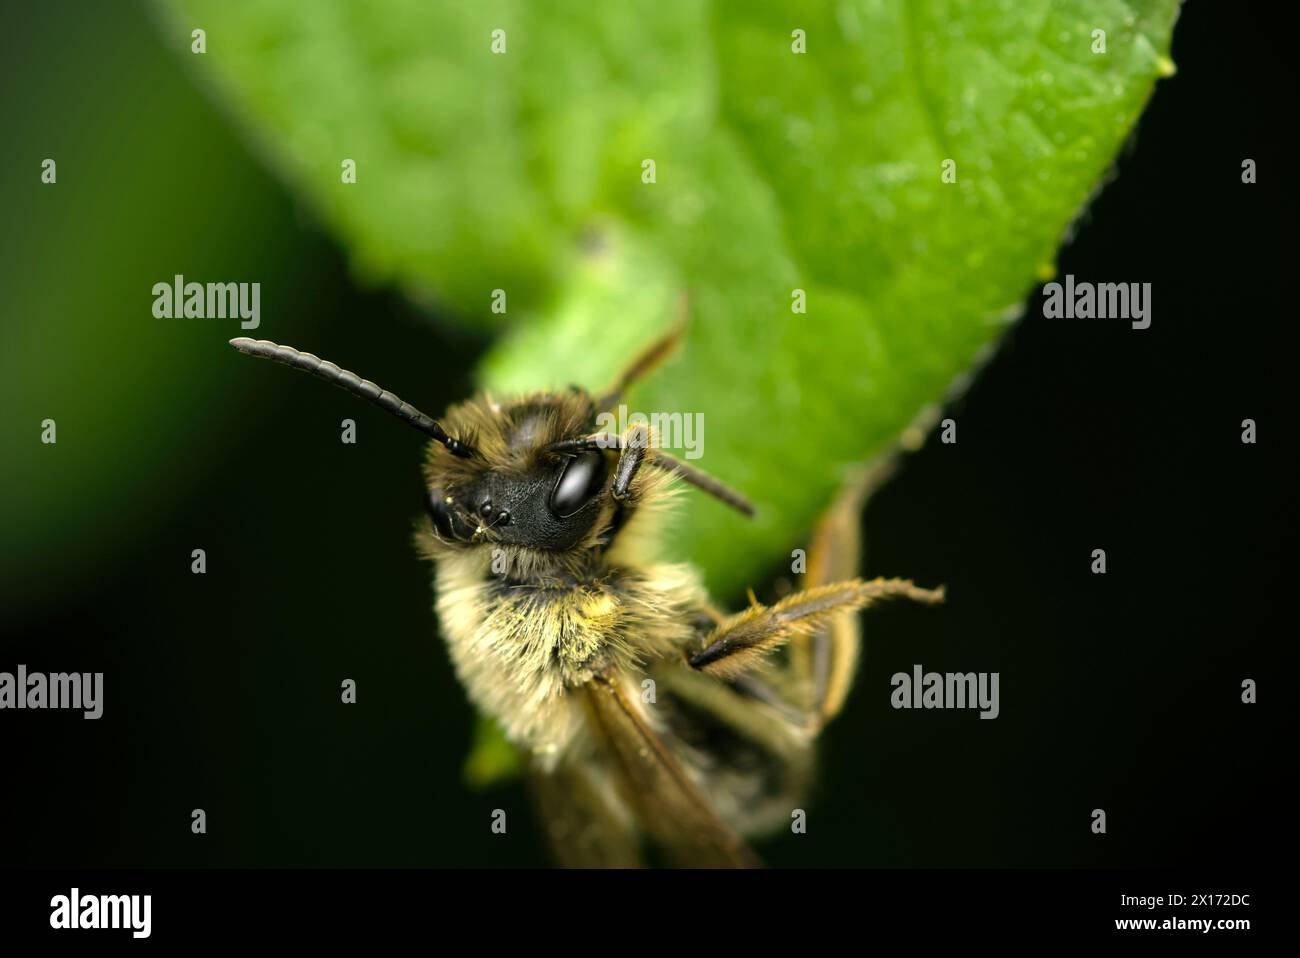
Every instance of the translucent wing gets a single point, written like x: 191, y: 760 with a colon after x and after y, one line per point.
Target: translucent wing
x: 670, y: 807
x: 586, y: 825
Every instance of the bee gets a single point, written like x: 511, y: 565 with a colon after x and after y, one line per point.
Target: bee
x: 648, y: 718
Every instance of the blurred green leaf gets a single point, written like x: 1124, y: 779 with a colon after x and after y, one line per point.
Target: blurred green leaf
x: 775, y: 171
x: 491, y: 757
x: 137, y: 199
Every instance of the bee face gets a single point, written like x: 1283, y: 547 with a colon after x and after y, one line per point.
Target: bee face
x: 546, y: 508
x: 515, y: 490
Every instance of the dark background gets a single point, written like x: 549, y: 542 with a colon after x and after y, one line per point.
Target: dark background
x: 1119, y: 691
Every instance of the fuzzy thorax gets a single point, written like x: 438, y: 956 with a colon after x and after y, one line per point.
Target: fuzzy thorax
x: 522, y: 648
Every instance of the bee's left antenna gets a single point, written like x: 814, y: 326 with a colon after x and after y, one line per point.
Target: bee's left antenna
x: 354, y: 384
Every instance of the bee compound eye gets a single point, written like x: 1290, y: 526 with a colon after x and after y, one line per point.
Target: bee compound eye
x: 580, y: 478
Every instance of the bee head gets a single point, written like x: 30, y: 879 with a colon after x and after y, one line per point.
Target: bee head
x: 526, y: 473
x: 516, y: 488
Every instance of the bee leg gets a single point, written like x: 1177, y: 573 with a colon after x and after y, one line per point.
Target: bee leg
x: 818, y: 669
x: 632, y: 449
x: 813, y: 676
x: 647, y: 361
x: 745, y: 638
x: 822, y: 665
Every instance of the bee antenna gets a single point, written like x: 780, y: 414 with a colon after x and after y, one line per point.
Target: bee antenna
x: 354, y: 384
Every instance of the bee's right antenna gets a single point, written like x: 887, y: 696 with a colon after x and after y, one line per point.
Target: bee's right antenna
x: 703, y: 481
x: 354, y: 384
x: 635, y: 452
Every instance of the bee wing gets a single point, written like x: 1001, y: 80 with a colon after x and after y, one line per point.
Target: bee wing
x: 671, y: 808
x: 585, y: 825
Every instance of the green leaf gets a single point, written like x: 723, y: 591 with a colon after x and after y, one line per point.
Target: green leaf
x: 774, y: 171
x: 491, y: 758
